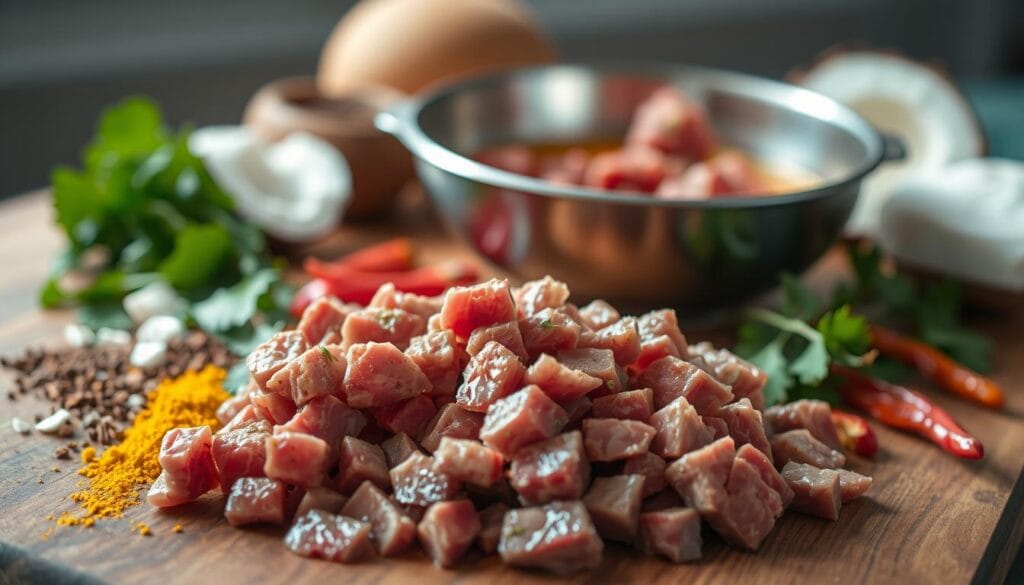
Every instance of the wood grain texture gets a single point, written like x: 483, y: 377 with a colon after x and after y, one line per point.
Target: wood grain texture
x: 928, y: 518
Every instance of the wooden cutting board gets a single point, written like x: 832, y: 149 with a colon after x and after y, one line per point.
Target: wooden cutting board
x: 929, y: 518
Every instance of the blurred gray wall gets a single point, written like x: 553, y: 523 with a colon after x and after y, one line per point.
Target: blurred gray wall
x: 61, y: 61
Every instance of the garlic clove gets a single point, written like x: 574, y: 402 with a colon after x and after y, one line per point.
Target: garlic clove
x: 148, y: 354
x: 295, y: 190
x: 52, y: 423
x: 161, y: 328
x: 106, y: 337
x: 157, y: 298
x: 20, y: 426
x: 78, y: 335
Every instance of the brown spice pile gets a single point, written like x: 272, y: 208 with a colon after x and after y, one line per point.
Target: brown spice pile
x: 98, y: 385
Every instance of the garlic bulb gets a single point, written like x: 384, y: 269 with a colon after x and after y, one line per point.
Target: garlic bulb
x: 295, y: 190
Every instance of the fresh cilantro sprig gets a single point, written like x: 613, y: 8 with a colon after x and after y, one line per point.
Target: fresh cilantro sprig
x: 142, y: 208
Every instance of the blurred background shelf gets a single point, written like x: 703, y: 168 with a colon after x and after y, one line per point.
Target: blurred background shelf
x: 61, y: 61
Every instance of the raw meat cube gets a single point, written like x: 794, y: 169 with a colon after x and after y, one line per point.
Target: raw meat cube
x: 599, y: 363
x: 360, y: 461
x: 632, y: 168
x: 320, y: 534
x: 397, y: 448
x: 553, y: 469
x: 323, y: 316
x: 614, y: 506
x: 609, y: 439
x: 330, y: 419
x: 852, y: 485
x: 800, y: 446
x: 392, y: 531
x: 537, y: 295
x: 382, y: 326
x: 632, y: 405
x: 506, y: 334
x: 522, y: 418
x: 744, y: 378
x: 766, y: 470
x: 230, y: 408
x: 673, y: 533
x: 469, y: 461
x: 321, y: 498
x: 674, y: 124
x: 296, y: 458
x: 379, y: 374
x: 598, y: 315
x: 558, y: 381
x: 408, y: 416
x: 549, y: 331
x: 273, y: 407
x: 388, y: 297
x: 663, y: 500
x: 417, y: 480
x: 745, y: 425
x: 255, y: 500
x: 319, y: 371
x: 577, y: 409
x: 651, y: 467
x: 717, y: 426
x: 493, y: 373
x: 701, y: 180
x: 452, y: 421
x: 679, y: 430
x: 491, y: 519
x: 621, y: 337
x: 813, y: 415
x: 751, y: 508
x: 558, y: 537
x: 664, y: 322
x: 164, y: 495
x: 817, y: 492
x: 447, y: 531
x: 699, y: 476
x: 466, y: 309
x: 240, y: 453
x: 187, y: 461
x: 437, y: 355
x: 274, y: 354
x: 671, y: 377
x: 652, y: 350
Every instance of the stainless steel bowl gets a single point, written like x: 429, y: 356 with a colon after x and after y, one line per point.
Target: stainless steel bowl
x: 693, y: 255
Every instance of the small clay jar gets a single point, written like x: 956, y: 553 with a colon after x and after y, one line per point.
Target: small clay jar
x: 380, y: 165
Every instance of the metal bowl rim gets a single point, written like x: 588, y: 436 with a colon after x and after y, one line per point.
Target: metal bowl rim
x: 774, y: 92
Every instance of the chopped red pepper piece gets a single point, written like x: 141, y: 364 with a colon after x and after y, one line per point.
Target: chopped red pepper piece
x: 904, y: 409
x: 854, y: 433
x: 390, y: 256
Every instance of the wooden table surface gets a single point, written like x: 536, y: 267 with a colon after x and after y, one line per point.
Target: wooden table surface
x: 928, y: 518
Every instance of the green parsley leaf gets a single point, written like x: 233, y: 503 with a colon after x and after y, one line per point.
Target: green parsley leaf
x: 846, y: 336
x: 110, y: 315
x: 232, y: 307
x: 326, y: 353
x: 237, y: 378
x: 199, y: 252
x: 772, y: 362
x: 241, y: 341
x: 547, y: 324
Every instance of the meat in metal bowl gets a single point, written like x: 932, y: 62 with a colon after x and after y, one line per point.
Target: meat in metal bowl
x: 690, y: 254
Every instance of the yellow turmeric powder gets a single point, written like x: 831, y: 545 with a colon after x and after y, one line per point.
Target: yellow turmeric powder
x: 116, y: 477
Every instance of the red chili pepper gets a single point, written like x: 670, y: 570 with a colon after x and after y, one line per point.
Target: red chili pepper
x: 354, y: 286
x: 907, y: 410
x: 855, y: 433
x: 389, y: 256
x: 938, y: 367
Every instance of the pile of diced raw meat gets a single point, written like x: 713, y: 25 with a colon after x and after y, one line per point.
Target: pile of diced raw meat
x: 671, y: 151
x: 510, y: 420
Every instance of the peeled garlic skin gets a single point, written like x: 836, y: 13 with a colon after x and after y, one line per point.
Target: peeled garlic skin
x: 295, y: 189
x: 965, y: 221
